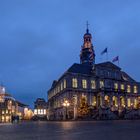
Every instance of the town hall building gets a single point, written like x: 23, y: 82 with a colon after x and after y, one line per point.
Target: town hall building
x: 96, y: 91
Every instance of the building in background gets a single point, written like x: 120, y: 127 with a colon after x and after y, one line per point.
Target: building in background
x: 40, y: 109
x: 99, y: 91
x: 10, y: 109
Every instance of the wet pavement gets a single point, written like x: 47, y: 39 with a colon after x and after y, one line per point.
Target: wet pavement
x: 95, y: 130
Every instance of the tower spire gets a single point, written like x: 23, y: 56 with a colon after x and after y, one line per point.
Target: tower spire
x: 87, y: 55
x: 87, y: 25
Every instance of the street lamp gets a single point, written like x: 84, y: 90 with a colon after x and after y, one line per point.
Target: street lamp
x: 66, y: 104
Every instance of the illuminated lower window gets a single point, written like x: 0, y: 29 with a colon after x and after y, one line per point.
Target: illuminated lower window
x: 101, y: 84
x: 129, y: 102
x: 44, y: 112
x: 3, y: 118
x: 35, y: 111
x: 135, y: 103
x: 74, y: 83
x: 93, y: 85
x: 2, y: 111
x: 84, y: 83
x: 115, y: 101
x: 6, y: 111
x: 135, y: 89
x: 94, y: 101
x: 128, y: 88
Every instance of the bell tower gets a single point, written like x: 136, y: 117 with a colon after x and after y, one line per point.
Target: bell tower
x: 87, y: 55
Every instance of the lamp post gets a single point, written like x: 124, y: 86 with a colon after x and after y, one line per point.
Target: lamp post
x: 66, y: 104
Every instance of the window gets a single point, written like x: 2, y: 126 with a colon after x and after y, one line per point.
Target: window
x: 65, y: 84
x: 94, y: 101
x: 74, y: 83
x: 128, y: 102
x: 84, y: 83
x: 44, y: 112
x: 2, y: 111
x: 115, y: 86
x: 6, y: 111
x: 135, y: 103
x: 93, y: 85
x: 61, y: 86
x: 122, y: 86
x: 135, y: 89
x: 35, y: 111
x: 101, y: 84
x: 128, y: 88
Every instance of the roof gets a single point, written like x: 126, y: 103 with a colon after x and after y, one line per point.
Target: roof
x: 108, y: 64
x: 126, y: 77
x: 80, y: 68
x: 21, y: 104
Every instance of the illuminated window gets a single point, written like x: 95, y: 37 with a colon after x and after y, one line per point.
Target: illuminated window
x: 128, y: 88
x: 35, y: 111
x: 65, y: 84
x: 74, y: 83
x: 115, y: 101
x: 93, y: 85
x: 2, y: 111
x: 1, y: 99
x: 135, y: 103
x: 41, y: 111
x: 44, y: 112
x: 122, y: 101
x: 115, y: 86
x: 122, y: 86
x: 94, y: 101
x: 101, y: 84
x: 61, y: 86
x: 135, y: 89
x: 6, y: 111
x: 7, y: 118
x: 129, y: 102
x: 3, y: 118
x: 84, y: 83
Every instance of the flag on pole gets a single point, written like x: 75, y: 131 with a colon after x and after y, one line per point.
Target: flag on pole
x: 104, y: 51
x: 115, y: 59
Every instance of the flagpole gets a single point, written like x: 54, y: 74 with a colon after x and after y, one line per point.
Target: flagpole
x: 107, y: 54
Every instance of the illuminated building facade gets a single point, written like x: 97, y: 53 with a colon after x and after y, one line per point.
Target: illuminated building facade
x: 9, y: 107
x: 40, y: 107
x: 109, y: 92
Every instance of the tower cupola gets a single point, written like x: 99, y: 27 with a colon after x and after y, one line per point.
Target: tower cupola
x: 87, y: 55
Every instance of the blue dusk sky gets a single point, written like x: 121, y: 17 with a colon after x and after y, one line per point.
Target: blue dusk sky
x: 41, y: 39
